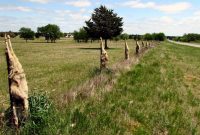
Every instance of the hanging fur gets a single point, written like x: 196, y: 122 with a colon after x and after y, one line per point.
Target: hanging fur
x: 18, y: 88
x: 142, y: 44
x: 147, y: 44
x: 137, y: 47
x: 126, y: 51
x: 103, y: 56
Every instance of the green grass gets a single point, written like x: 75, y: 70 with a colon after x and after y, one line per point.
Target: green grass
x: 197, y: 41
x: 56, y: 67
x: 160, y: 95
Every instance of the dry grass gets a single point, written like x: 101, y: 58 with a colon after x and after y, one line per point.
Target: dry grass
x: 104, y: 81
x: 57, y: 67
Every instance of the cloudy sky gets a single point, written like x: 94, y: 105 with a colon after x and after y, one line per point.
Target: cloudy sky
x: 174, y: 17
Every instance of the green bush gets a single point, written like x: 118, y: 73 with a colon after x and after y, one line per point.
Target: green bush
x: 41, y: 110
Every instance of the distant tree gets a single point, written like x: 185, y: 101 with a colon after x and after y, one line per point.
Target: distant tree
x: 16, y: 33
x: 154, y: 36
x: 148, y: 37
x: 51, y: 32
x: 131, y: 36
x: 12, y: 34
x: 76, y: 36
x: 81, y: 35
x: 2, y: 34
x: 62, y: 34
x: 26, y: 33
x: 176, y: 38
x: 104, y: 23
x: 190, y: 37
x: 160, y: 37
x: 117, y: 38
x: 124, y: 36
x: 38, y: 35
x: 137, y: 37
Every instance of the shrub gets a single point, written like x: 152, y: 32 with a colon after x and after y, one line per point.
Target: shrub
x: 41, y: 110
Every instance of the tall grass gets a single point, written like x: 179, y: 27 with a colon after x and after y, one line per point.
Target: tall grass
x: 41, y: 110
x: 160, y: 95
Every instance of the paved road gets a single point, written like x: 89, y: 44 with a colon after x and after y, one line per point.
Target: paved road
x: 183, y: 43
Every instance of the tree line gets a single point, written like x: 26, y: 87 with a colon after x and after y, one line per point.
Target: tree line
x: 103, y: 23
x: 51, y: 32
x: 11, y: 33
x: 83, y: 36
x: 188, y: 37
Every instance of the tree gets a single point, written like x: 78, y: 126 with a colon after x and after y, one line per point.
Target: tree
x: 137, y: 37
x: 155, y: 36
x: 2, y: 34
x: 81, y: 35
x: 12, y: 34
x: 50, y: 32
x: 38, y: 35
x: 104, y: 23
x: 124, y: 36
x: 190, y: 37
x: 148, y: 37
x: 26, y: 33
x: 159, y: 36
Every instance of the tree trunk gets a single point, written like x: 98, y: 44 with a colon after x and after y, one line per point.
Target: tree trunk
x: 106, y: 45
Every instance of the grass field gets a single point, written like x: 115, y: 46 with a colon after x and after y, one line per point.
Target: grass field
x: 160, y: 95
x: 56, y: 67
x: 196, y: 42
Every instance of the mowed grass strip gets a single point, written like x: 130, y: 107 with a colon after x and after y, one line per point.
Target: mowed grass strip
x: 160, y: 95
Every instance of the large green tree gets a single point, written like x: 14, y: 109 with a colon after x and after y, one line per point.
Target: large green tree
x: 26, y: 33
x: 104, y: 23
x: 51, y: 32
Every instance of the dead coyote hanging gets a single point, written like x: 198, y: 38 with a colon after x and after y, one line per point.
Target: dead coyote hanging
x: 103, y: 56
x: 137, y: 47
x: 18, y: 88
x: 126, y: 51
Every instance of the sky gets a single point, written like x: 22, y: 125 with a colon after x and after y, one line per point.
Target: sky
x: 173, y: 17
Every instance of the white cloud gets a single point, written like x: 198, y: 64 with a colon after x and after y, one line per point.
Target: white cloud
x: 166, y: 20
x: 38, y: 1
x: 169, y: 25
x: 167, y: 8
x: 79, y: 3
x: 80, y: 15
x: 68, y: 20
x: 15, y: 8
x: 139, y: 4
x: 174, y: 8
x: 197, y: 13
x: 62, y: 13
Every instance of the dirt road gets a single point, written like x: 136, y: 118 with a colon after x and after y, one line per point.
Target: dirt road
x: 183, y: 43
